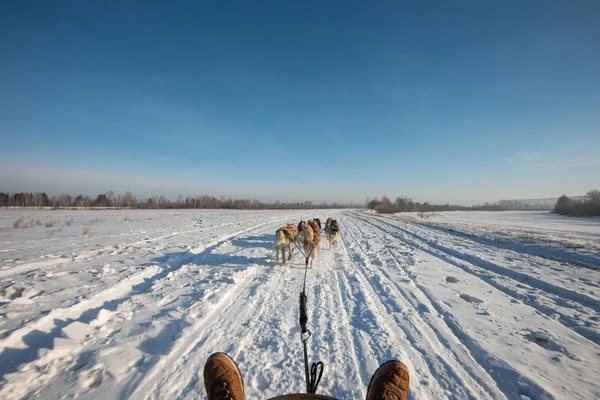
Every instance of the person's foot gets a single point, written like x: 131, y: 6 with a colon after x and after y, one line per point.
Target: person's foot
x: 390, y: 382
x: 222, y: 378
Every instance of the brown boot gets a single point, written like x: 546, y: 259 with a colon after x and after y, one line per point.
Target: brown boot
x: 222, y: 378
x: 390, y: 382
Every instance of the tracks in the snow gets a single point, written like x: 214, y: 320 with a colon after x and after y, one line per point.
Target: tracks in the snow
x: 442, y: 355
x: 242, y: 306
x: 478, y: 261
x: 370, y: 299
x: 529, y: 289
x: 28, y: 266
x: 570, y: 314
x: 367, y: 312
x: 17, y: 345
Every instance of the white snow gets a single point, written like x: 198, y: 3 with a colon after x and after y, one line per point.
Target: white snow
x: 14, y: 292
x: 478, y: 305
x: 77, y: 331
x: 531, y: 229
x: 103, y: 317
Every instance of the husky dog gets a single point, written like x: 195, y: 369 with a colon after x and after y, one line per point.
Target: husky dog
x: 292, y: 230
x: 284, y: 240
x: 327, y: 223
x: 312, y: 239
x: 333, y: 233
x: 318, y: 221
x: 316, y: 230
x: 316, y: 240
x: 300, y: 226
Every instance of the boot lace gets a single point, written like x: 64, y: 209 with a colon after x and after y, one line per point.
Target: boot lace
x: 220, y: 390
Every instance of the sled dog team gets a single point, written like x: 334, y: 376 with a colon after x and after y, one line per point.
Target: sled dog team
x: 310, y: 233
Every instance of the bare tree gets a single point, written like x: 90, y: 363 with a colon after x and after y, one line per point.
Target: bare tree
x: 110, y: 197
x: 128, y: 199
x: 594, y: 197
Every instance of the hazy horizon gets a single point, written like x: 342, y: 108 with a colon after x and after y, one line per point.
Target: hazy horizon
x: 459, y: 103
x: 144, y: 195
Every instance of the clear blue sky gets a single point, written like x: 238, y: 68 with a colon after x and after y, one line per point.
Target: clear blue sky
x: 335, y: 100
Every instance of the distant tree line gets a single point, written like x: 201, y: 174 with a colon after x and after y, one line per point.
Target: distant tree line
x: 406, y: 204
x: 589, y: 205
x: 128, y: 200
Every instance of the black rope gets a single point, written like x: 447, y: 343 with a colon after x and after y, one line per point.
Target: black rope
x: 307, y: 257
x: 316, y: 371
x: 306, y: 373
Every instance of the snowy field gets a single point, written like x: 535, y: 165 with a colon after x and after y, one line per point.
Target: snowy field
x: 129, y: 304
x: 525, y: 228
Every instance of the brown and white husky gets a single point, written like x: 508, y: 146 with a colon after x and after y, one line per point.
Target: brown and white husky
x: 284, y: 239
x: 327, y: 223
x: 312, y: 240
x: 333, y: 233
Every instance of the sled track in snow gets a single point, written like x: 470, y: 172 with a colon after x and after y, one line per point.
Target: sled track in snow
x: 554, y: 308
x: 468, y: 362
x: 420, y: 328
x: 532, y: 281
x: 87, y: 310
x: 547, y: 250
x: 194, y: 337
x: 349, y: 319
x: 442, y: 303
x: 494, y: 275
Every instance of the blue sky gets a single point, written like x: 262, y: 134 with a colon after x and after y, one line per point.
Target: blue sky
x: 324, y: 101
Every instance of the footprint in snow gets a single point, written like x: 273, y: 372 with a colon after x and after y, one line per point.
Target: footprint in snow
x: 423, y: 308
x: 94, y: 377
x: 547, y: 341
x: 470, y: 299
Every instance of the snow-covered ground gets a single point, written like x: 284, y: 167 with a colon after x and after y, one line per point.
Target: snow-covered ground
x: 129, y: 304
x: 539, y: 231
